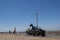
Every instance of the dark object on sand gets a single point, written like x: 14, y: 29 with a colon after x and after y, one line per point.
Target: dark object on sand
x: 35, y: 31
x: 14, y: 32
x: 10, y: 32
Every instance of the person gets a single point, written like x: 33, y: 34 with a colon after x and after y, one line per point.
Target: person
x: 14, y: 30
x: 32, y: 27
x: 10, y: 32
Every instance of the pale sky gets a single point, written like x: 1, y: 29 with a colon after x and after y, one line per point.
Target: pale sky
x: 20, y: 13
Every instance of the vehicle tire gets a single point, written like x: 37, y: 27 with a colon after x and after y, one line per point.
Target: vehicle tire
x: 33, y: 34
x: 43, y: 35
x: 37, y: 34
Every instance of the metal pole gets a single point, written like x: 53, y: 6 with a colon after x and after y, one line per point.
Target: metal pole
x: 37, y: 20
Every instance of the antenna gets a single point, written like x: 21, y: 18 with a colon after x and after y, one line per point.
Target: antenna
x: 37, y: 20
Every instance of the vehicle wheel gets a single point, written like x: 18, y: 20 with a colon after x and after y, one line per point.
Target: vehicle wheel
x: 33, y: 34
x: 37, y: 34
x: 43, y: 35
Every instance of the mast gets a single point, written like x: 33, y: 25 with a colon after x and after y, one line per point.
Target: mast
x: 37, y: 20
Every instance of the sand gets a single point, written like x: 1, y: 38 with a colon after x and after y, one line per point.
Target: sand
x: 22, y: 37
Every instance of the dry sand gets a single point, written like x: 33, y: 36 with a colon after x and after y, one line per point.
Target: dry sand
x: 22, y: 37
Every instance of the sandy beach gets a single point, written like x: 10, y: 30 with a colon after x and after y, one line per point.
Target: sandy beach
x: 22, y: 37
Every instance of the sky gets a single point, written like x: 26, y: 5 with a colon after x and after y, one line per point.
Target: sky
x: 21, y: 13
